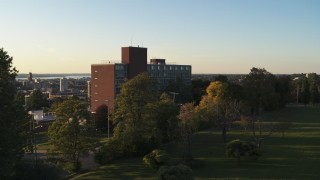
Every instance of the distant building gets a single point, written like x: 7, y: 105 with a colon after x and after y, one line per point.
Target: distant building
x: 63, y: 84
x: 106, y: 79
x: 30, y: 76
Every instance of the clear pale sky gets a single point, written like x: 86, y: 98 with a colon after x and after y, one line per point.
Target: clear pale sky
x: 225, y: 36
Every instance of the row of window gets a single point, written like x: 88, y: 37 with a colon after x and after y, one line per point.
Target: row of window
x: 169, y: 67
x: 169, y: 75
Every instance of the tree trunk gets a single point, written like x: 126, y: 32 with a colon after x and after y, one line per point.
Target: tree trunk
x: 224, y: 133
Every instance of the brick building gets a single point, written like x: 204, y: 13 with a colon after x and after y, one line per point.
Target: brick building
x: 106, y: 79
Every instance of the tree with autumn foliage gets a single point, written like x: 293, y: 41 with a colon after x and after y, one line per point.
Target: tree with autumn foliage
x: 219, y: 106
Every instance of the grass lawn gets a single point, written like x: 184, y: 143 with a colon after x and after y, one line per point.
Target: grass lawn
x: 294, y: 156
x: 42, y: 141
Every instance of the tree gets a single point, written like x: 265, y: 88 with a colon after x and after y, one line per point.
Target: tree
x: 100, y: 117
x: 136, y: 131
x: 12, y: 117
x: 37, y: 100
x: 187, y: 126
x: 260, y: 130
x: 199, y: 89
x: 219, y: 106
x: 70, y: 134
x: 305, y: 91
x: 165, y: 113
x: 314, y: 82
x: 259, y: 87
x: 184, y: 90
x: 283, y: 87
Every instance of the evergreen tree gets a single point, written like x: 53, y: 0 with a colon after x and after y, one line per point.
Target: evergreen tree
x: 11, y: 118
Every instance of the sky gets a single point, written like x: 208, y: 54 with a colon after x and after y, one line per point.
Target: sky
x: 214, y: 36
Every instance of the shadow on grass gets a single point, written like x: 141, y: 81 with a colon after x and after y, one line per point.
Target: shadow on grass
x: 131, y: 168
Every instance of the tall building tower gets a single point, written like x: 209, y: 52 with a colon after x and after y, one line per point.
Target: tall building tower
x: 63, y: 84
x: 136, y: 58
x: 30, y: 76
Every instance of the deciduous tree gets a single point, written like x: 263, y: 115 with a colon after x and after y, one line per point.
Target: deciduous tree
x: 259, y: 87
x: 219, y: 106
x: 135, y: 131
x: 37, y: 100
x: 187, y: 126
x: 70, y: 134
x: 165, y: 113
x: 100, y: 118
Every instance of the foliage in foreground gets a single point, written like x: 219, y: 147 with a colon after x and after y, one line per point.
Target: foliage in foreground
x: 156, y: 159
x: 12, y: 119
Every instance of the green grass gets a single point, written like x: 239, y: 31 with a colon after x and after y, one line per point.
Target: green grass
x: 294, y: 156
x: 131, y: 168
x: 42, y: 141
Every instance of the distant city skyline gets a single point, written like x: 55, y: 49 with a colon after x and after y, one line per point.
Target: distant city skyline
x: 216, y: 37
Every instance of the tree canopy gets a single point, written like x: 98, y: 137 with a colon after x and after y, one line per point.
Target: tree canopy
x: 135, y: 131
x: 259, y: 86
x: 37, y: 100
x: 12, y: 118
x: 70, y: 134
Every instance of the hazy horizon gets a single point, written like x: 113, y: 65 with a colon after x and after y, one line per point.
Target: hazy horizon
x: 215, y: 37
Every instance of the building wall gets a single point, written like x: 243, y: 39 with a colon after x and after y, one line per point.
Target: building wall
x: 136, y: 58
x: 165, y: 73
x: 102, y: 85
x: 63, y: 84
x: 106, y: 79
x: 89, y: 94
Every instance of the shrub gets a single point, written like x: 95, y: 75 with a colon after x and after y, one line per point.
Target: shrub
x: 108, y: 152
x: 175, y: 172
x: 238, y: 149
x: 156, y: 159
x: 72, y: 166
